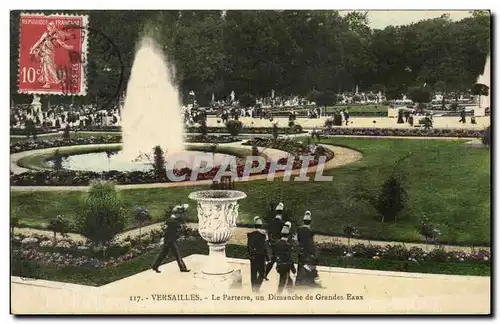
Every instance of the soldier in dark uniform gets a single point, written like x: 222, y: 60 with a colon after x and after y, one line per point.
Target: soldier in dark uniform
x: 306, y: 268
x: 170, y: 237
x: 274, y: 232
x: 258, y: 254
x: 284, y: 262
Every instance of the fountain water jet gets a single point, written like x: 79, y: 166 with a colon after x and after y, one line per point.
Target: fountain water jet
x: 151, y: 114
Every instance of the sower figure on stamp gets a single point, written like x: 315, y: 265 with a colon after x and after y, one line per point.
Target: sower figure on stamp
x: 274, y: 232
x: 170, y: 237
x: 284, y: 262
x: 258, y: 254
x: 306, y: 268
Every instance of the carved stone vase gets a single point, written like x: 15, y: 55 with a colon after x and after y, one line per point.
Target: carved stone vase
x: 217, y: 215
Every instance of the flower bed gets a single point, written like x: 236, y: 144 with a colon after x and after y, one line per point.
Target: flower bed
x: 108, y: 139
x: 401, y: 253
x: 67, y: 252
x: 433, y: 132
x: 245, y: 130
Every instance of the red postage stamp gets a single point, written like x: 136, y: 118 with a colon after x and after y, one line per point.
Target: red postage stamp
x: 53, y: 54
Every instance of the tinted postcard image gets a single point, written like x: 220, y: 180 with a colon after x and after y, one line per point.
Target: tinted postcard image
x: 250, y: 162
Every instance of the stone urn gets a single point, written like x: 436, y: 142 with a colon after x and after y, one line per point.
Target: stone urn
x: 217, y: 215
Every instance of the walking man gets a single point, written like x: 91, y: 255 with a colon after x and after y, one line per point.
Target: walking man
x: 274, y: 232
x: 258, y: 254
x: 170, y: 237
x: 284, y: 260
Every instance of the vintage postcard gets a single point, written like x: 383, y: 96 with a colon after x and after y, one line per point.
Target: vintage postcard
x: 250, y: 162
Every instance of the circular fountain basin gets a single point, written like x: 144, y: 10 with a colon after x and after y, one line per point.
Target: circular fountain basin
x: 101, y: 161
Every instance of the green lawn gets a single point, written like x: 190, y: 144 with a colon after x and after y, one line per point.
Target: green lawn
x: 446, y: 180
x: 102, y: 276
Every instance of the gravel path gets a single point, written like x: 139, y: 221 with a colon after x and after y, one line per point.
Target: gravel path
x: 239, y: 237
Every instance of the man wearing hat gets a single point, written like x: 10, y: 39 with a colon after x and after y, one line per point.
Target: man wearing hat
x: 284, y: 262
x: 258, y: 254
x: 173, y: 225
x: 274, y: 232
x: 306, y: 268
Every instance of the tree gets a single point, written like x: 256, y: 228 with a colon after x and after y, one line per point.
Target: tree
x: 486, y: 139
x: 479, y: 89
x: 66, y: 132
x: 350, y: 231
x: 13, y: 120
x: 312, y: 95
x: 30, y: 128
x: 159, y: 164
x: 234, y: 127
x: 326, y: 98
x: 420, y: 95
x: 14, y: 222
x: 203, y: 127
x: 100, y: 216
x: 378, y: 88
x: 392, y: 199
x: 58, y: 159
x: 141, y: 215
x: 60, y: 225
x: 428, y: 230
x: 247, y: 100
x: 276, y: 131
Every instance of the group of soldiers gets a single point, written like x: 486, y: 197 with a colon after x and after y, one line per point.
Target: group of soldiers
x: 280, y: 242
x: 265, y: 248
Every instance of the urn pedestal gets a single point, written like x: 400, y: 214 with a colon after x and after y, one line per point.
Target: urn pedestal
x: 217, y: 215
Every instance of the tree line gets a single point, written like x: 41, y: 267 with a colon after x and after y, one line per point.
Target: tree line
x: 289, y: 51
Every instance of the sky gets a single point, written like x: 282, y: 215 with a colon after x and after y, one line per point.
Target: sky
x: 382, y: 18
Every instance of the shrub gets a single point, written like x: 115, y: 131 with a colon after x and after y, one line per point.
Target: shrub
x: 275, y: 131
x: 297, y: 128
x: 141, y: 215
x: 486, y: 139
x: 66, y: 133
x: 392, y: 199
x: 58, y: 225
x: 57, y: 158
x: 350, y: 231
x: 337, y: 119
x: 100, y: 217
x: 203, y: 127
x: 234, y: 127
x: 159, y: 164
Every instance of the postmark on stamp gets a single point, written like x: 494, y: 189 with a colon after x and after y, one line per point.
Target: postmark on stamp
x: 52, y: 56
